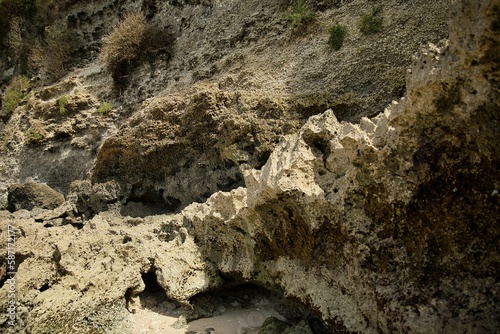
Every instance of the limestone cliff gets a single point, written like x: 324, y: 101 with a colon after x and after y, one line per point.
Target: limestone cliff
x: 388, y: 224
x: 235, y: 70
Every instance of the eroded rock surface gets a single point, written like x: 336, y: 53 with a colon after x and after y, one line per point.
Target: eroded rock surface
x: 232, y: 78
x: 387, y: 225
x: 31, y: 194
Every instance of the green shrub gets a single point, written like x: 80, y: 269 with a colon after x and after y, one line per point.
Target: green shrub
x: 62, y: 102
x: 337, y: 35
x: 371, y: 23
x: 15, y: 93
x: 300, y: 14
x: 11, y: 100
x: 105, y: 108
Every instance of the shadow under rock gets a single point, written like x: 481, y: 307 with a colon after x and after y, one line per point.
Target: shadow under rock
x: 141, y: 209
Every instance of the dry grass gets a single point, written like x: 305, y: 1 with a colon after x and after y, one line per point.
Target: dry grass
x: 14, y: 38
x: 10, y: 9
x: 123, y: 45
x: 49, y: 56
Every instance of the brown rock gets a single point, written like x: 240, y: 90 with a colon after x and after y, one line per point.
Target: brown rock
x: 32, y: 194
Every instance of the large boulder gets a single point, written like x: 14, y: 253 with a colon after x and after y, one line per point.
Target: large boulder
x: 32, y: 194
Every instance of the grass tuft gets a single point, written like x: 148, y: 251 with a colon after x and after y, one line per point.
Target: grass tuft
x: 301, y: 14
x: 337, y: 35
x: 15, y: 93
x: 371, y: 23
x: 62, y: 102
x: 105, y: 108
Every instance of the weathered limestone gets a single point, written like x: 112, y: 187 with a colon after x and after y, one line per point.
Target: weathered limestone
x: 386, y: 226
x: 31, y: 194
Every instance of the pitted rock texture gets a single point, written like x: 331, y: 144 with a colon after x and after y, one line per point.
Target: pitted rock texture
x: 388, y: 225
x: 217, y: 49
x: 31, y: 194
x: 182, y: 148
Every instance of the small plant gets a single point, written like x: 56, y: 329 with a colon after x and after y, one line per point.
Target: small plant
x: 105, y: 108
x: 15, y: 93
x: 34, y: 136
x: 371, y: 23
x: 62, y: 102
x: 337, y: 35
x: 300, y: 14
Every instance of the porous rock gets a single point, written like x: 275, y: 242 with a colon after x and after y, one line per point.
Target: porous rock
x: 32, y: 194
x: 300, y: 328
x: 273, y: 325
x: 386, y: 226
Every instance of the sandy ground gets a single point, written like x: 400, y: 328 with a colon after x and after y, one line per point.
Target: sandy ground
x: 239, y: 321
x: 151, y: 316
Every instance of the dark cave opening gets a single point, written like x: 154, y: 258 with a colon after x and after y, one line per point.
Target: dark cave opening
x: 151, y: 282
x: 146, y: 200
x: 152, y: 298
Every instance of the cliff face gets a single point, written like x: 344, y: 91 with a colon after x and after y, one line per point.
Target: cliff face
x: 389, y: 224
x: 237, y: 71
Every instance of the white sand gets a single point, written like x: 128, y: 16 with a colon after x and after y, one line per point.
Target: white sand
x: 236, y: 320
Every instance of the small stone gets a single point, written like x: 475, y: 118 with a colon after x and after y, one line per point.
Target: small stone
x: 300, y: 328
x: 273, y: 325
x: 168, y: 306
x: 180, y: 323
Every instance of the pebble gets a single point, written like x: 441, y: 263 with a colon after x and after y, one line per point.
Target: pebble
x: 168, y: 306
x: 180, y: 323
